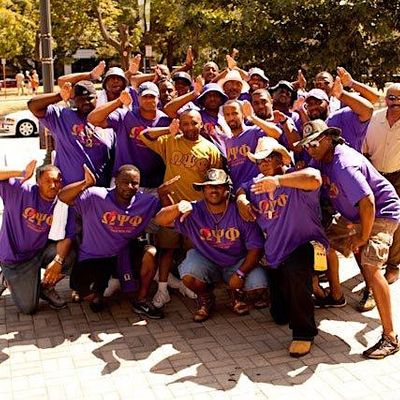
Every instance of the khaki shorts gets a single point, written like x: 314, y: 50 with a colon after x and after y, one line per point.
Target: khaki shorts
x: 376, y: 251
x: 168, y: 238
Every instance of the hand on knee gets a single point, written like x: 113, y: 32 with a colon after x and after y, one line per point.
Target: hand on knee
x: 194, y: 284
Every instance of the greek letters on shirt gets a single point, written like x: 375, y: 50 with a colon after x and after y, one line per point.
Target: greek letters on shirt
x: 120, y: 223
x: 37, y: 221
x: 85, y: 134
x: 221, y: 238
x: 272, y: 208
x: 189, y: 161
x: 330, y: 187
x: 237, y: 155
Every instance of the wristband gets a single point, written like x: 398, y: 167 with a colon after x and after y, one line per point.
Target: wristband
x: 284, y: 121
x: 184, y: 206
x: 58, y: 259
x: 240, y: 274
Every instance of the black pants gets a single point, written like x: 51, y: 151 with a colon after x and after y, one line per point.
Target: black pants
x: 92, y: 275
x: 291, y: 293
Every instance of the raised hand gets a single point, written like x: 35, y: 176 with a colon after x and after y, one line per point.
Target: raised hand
x: 174, y: 127
x: 90, y: 179
x: 134, y: 64
x: 198, y: 85
x: 246, y: 210
x: 337, y: 88
x: 98, y: 70
x: 230, y: 62
x: 247, y: 110
x: 185, y: 208
x: 345, y: 77
x: 29, y: 170
x: 301, y: 80
x: 66, y: 91
x: 125, y: 98
x: 189, y: 62
x: 279, y: 117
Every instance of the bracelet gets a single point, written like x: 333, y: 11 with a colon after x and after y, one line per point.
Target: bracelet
x: 240, y: 274
x: 58, y: 259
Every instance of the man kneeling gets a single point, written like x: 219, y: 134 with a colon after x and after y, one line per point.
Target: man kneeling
x: 24, y: 248
x: 225, y: 247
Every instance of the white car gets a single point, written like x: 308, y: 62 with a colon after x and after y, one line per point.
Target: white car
x: 20, y: 123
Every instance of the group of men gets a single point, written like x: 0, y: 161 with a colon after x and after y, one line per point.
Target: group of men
x: 223, y: 176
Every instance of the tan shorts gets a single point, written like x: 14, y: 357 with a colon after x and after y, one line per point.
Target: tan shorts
x: 168, y: 238
x: 376, y: 251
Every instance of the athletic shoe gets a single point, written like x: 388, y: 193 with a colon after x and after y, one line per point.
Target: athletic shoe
x: 3, y: 283
x: 385, y: 347
x: 147, y: 309
x: 161, y: 298
x: 367, y: 301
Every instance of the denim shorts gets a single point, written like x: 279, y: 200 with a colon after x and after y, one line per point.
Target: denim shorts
x: 207, y: 271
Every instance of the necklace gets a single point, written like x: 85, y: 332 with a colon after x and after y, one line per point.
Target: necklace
x: 217, y: 221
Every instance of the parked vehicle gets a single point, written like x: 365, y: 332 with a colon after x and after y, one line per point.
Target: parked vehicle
x: 20, y: 123
x: 9, y: 82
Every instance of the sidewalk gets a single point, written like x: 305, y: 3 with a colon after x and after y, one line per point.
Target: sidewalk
x: 76, y: 354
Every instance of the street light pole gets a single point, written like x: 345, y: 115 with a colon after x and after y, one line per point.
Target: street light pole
x: 46, y: 57
x: 46, y: 44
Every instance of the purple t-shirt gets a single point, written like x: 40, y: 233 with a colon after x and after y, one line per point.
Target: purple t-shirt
x: 26, y: 223
x: 130, y: 149
x: 241, y: 169
x: 77, y: 143
x: 353, y: 130
x: 225, y: 244
x: 211, y: 128
x: 351, y: 177
x: 289, y: 218
x: 106, y: 225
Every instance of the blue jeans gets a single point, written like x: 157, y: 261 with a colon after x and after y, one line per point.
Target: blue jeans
x: 207, y: 271
x: 24, y: 278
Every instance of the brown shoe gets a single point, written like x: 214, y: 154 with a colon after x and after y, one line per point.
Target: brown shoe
x: 299, y: 348
x: 391, y: 274
x: 206, y: 302
x: 239, y: 306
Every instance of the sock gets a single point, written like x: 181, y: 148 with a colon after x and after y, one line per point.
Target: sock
x: 162, y: 286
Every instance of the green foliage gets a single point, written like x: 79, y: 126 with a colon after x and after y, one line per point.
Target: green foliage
x: 278, y: 35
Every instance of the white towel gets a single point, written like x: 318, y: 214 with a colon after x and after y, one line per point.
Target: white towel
x: 60, y: 216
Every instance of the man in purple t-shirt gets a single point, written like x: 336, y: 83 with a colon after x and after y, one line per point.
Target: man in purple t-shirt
x: 111, y: 218
x: 352, y: 119
x: 286, y: 207
x: 244, y: 139
x: 370, y: 214
x: 77, y: 141
x: 24, y: 245
x: 128, y: 125
x: 225, y: 247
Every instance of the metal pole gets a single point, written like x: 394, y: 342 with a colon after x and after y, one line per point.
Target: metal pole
x: 47, y: 69
x: 46, y: 43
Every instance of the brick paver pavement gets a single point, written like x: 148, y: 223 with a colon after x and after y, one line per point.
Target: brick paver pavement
x: 76, y: 354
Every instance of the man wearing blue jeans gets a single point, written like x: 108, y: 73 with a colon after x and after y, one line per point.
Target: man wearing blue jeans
x: 24, y: 245
x: 225, y: 247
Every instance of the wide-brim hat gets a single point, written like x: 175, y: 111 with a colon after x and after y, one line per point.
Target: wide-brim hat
x: 212, y: 87
x: 314, y: 129
x: 234, y: 76
x: 259, y: 72
x: 114, y: 71
x: 266, y: 146
x: 214, y: 176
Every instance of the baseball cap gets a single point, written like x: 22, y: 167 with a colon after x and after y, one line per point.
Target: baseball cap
x: 182, y: 75
x: 318, y: 94
x: 84, y: 88
x: 148, y: 88
x: 114, y: 71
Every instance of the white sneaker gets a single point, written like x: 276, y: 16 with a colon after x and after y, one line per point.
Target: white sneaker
x: 161, y: 298
x: 113, y: 286
x: 185, y: 291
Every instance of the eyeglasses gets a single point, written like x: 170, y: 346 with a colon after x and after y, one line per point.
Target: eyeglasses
x: 392, y: 97
x: 314, y: 143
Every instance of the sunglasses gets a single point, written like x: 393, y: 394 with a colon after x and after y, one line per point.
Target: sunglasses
x: 392, y: 97
x: 314, y: 143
